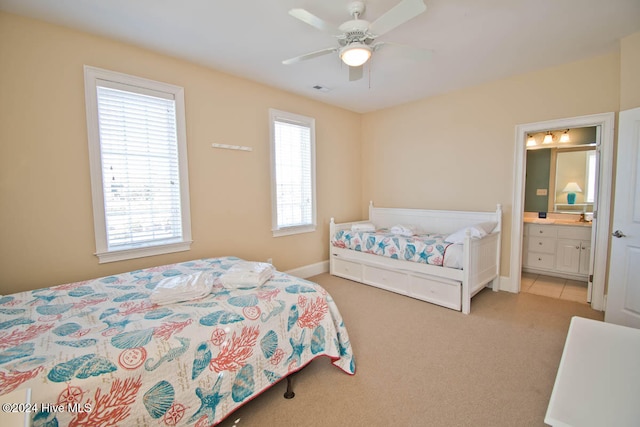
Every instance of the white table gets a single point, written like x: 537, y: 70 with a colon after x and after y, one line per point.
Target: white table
x: 598, y: 381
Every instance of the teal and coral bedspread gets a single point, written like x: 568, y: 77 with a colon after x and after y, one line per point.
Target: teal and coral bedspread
x: 100, y: 353
x: 424, y: 248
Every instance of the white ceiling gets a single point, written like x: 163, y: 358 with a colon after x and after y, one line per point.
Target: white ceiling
x: 473, y: 41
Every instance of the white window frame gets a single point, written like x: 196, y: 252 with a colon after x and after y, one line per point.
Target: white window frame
x: 277, y: 115
x: 92, y: 79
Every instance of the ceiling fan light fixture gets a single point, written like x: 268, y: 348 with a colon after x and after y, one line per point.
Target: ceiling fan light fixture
x: 355, y: 54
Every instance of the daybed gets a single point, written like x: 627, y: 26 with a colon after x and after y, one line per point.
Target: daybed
x: 428, y: 269
x: 102, y: 352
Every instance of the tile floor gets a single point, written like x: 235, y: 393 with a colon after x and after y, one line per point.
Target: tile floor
x: 554, y: 287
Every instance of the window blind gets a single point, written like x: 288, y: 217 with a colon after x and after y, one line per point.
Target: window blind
x: 140, y: 168
x: 293, y: 174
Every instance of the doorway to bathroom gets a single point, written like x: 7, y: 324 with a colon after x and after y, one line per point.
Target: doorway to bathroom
x: 603, y: 124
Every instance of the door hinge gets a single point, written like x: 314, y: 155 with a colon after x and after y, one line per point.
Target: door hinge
x: 591, y: 278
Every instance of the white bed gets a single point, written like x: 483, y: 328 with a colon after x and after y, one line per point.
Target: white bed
x: 446, y: 286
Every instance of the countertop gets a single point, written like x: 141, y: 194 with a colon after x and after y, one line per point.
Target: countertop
x: 552, y: 221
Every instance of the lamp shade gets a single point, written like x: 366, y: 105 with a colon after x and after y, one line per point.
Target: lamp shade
x: 531, y: 141
x: 355, y: 54
x: 572, y: 187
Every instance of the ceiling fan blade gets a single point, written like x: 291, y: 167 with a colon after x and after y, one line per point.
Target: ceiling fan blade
x: 314, y: 21
x: 355, y: 73
x: 405, y: 51
x: 398, y: 15
x: 309, y: 55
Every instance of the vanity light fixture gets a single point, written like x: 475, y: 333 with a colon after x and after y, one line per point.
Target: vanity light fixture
x: 548, y: 138
x: 531, y: 141
x: 565, y: 136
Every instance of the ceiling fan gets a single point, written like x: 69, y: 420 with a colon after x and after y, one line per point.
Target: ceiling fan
x: 357, y: 37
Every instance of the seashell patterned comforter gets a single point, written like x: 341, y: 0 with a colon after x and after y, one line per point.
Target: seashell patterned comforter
x: 100, y: 353
x: 428, y: 248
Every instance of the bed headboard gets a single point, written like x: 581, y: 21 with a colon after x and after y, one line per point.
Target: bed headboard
x: 432, y: 220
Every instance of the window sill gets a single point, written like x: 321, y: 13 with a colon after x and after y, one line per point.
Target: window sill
x: 293, y: 230
x: 125, y: 254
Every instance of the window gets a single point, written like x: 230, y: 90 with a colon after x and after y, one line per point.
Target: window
x: 293, y: 188
x: 138, y: 159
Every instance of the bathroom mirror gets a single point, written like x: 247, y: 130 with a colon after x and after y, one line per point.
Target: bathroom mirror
x: 561, y: 176
x: 575, y: 180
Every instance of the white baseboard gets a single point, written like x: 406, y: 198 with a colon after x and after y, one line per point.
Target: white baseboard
x: 310, y: 270
x: 507, y: 285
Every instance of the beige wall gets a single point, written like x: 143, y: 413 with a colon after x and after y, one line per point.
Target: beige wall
x: 401, y: 156
x: 456, y: 151
x: 630, y: 72
x: 47, y: 237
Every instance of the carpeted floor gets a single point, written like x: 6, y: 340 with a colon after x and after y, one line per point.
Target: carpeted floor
x: 423, y: 365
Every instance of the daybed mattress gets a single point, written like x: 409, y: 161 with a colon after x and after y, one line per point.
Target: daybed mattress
x: 428, y: 248
x: 103, y: 354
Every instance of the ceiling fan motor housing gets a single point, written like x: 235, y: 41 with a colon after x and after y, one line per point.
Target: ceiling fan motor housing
x: 356, y: 30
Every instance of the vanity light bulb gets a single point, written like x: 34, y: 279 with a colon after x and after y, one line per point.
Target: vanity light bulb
x: 531, y: 142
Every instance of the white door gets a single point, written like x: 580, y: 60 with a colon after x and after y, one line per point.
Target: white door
x: 623, y: 299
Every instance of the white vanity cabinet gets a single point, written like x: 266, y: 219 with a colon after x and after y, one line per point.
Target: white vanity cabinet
x: 557, y: 250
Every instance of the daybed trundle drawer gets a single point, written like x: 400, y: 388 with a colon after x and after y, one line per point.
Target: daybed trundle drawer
x: 447, y: 293
x: 385, y: 279
x: 347, y: 269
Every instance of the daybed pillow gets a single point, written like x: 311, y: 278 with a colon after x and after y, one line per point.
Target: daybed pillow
x: 363, y: 227
x: 477, y: 231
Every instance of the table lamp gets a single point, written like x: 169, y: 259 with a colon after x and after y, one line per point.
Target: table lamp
x: 571, y: 189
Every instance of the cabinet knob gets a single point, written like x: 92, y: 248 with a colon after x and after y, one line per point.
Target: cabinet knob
x: 577, y: 247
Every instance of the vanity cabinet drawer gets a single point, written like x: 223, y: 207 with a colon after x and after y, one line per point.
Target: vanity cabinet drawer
x: 545, y: 245
x: 540, y: 260
x: 542, y: 231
